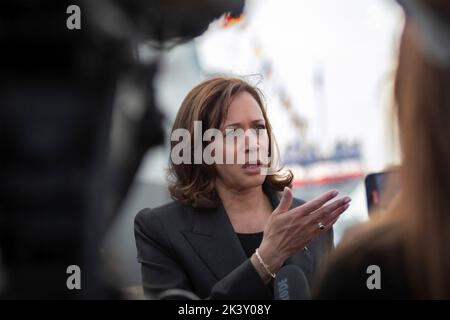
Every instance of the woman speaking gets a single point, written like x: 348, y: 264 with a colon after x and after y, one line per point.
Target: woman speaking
x: 232, y: 224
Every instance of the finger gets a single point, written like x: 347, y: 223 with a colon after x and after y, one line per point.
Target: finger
x: 317, y: 231
x: 327, y: 210
x: 285, y: 202
x: 335, y: 214
x: 331, y: 224
x: 316, y: 203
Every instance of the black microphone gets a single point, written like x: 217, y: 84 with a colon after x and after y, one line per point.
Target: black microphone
x: 291, y: 284
x: 177, y: 294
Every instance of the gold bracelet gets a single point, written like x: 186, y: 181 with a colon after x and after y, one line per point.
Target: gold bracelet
x: 265, y: 266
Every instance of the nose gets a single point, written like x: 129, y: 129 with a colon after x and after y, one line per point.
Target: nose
x: 251, y: 141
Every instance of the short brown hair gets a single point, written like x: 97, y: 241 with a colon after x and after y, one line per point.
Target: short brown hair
x: 193, y: 184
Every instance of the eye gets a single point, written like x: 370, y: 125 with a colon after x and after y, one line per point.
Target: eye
x: 233, y: 132
x: 260, y: 127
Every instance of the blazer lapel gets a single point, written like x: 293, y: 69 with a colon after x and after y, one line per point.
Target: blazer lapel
x: 214, y: 240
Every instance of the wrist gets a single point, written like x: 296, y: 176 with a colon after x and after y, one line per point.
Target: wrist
x: 260, y: 269
x: 271, y: 258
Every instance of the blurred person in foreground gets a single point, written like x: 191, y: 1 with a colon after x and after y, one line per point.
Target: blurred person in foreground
x: 409, y: 242
x: 77, y: 114
x: 228, y: 233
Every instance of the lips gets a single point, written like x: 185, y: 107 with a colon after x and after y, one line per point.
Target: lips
x: 252, y: 169
x: 248, y: 165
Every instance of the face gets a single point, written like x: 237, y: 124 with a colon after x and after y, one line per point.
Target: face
x: 252, y: 147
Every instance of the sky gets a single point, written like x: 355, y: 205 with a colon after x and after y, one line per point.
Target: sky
x: 352, y: 44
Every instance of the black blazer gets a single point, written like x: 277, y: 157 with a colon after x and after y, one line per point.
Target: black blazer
x: 197, y: 250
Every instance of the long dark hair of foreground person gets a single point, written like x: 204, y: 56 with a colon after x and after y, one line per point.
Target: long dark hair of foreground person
x: 420, y: 216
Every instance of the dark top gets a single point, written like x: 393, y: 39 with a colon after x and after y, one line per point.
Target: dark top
x: 250, y: 241
x: 196, y: 249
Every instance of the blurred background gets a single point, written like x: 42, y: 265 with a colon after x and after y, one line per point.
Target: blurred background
x: 71, y: 177
x: 326, y: 68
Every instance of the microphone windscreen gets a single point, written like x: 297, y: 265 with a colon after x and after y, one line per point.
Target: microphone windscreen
x: 291, y: 284
x: 177, y: 294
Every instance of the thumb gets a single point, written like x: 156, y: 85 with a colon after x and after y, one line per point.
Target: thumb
x: 285, y: 201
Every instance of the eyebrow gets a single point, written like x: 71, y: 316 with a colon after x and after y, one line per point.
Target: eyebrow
x: 238, y: 123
